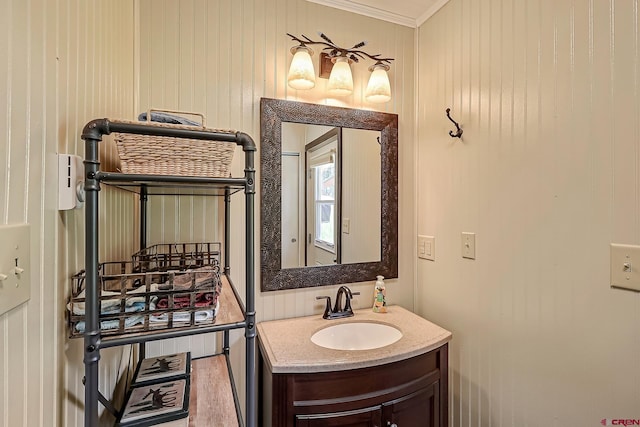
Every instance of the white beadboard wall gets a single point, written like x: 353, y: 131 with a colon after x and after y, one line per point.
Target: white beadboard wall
x: 64, y: 63
x: 546, y: 175
x: 361, y: 154
x: 220, y: 58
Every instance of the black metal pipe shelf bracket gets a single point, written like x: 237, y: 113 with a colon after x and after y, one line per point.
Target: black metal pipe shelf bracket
x: 458, y: 133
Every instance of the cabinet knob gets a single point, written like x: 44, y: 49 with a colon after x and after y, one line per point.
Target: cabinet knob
x: 391, y: 425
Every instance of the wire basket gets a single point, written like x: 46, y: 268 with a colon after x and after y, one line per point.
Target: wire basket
x: 176, y: 256
x: 138, y: 302
x: 162, y: 155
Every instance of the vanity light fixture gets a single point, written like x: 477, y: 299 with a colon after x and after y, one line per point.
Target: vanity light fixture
x: 340, y: 79
x: 379, y: 88
x: 302, y: 75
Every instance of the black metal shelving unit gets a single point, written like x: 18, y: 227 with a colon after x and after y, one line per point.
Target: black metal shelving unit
x: 150, y: 185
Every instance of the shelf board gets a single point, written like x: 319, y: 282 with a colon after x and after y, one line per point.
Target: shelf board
x: 233, y: 312
x: 211, y: 402
x: 230, y: 316
x: 168, y: 185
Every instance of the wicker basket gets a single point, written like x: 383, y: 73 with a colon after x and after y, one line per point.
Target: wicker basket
x: 161, y: 155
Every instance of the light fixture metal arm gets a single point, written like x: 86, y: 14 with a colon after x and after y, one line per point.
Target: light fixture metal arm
x: 334, y: 50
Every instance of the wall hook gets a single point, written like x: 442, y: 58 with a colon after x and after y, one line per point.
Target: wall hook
x: 458, y: 133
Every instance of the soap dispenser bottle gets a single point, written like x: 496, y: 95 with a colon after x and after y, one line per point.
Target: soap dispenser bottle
x: 379, y: 294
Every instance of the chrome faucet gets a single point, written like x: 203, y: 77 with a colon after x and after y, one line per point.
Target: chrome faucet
x: 339, y: 311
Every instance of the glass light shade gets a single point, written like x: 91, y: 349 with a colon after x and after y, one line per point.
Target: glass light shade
x: 301, y: 73
x: 378, y: 89
x: 340, y: 79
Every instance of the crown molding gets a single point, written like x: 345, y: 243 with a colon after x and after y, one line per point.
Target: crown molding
x: 369, y: 11
x: 430, y: 12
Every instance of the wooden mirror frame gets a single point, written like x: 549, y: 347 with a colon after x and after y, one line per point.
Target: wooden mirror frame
x: 272, y: 113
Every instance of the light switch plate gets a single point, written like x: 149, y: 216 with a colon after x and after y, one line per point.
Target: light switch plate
x: 427, y: 247
x: 469, y: 245
x: 625, y: 266
x: 346, y: 225
x: 15, y: 266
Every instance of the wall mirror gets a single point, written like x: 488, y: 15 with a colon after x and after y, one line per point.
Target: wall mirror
x: 329, y: 195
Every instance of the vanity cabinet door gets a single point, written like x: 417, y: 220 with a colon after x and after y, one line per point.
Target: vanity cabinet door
x: 368, y: 417
x: 421, y: 408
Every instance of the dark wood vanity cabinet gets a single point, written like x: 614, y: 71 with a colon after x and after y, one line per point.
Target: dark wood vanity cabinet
x: 407, y: 393
x: 368, y: 417
x: 421, y: 408
x: 417, y: 409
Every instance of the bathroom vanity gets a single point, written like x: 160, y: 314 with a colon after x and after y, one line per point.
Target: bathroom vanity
x: 403, y: 384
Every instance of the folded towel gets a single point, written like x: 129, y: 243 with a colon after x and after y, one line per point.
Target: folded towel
x: 108, y: 305
x: 105, y: 325
x: 184, y: 317
x: 167, y: 118
x: 203, y: 277
x: 182, y: 301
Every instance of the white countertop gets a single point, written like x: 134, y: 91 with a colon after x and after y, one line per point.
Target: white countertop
x: 287, y: 348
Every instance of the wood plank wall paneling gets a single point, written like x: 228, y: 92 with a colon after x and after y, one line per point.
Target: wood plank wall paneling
x: 225, y: 75
x: 360, y: 196
x: 546, y: 174
x: 80, y: 65
x: 66, y: 62
x: 220, y: 58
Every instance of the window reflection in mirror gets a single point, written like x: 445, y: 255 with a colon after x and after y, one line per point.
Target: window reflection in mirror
x: 322, y: 189
x: 331, y: 198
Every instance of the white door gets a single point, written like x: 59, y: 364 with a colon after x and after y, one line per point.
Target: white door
x: 290, y: 210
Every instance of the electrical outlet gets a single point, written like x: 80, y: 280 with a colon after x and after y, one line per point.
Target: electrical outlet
x: 469, y: 245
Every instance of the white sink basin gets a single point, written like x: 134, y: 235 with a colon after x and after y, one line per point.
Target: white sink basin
x: 356, y: 336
